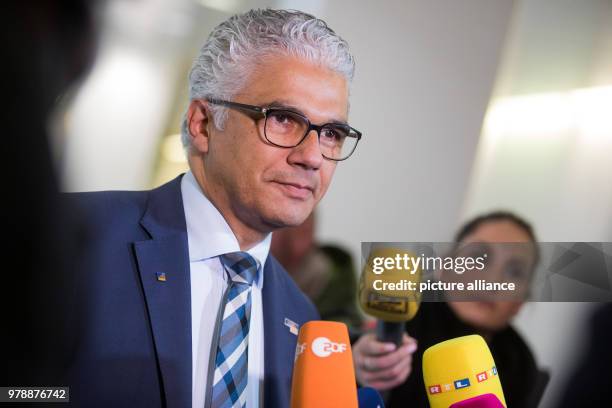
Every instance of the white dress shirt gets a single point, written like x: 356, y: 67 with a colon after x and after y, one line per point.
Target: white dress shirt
x: 209, y: 236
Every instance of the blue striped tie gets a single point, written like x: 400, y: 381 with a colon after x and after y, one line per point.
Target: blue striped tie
x: 230, y: 377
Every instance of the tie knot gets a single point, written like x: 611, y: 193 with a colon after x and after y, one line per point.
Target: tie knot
x: 241, y: 267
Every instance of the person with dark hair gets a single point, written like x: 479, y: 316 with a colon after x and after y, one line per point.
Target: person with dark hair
x: 469, y: 227
x: 439, y: 321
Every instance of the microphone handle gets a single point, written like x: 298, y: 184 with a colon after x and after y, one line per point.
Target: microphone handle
x: 390, y: 332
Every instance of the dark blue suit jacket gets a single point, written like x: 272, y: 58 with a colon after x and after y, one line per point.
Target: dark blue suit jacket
x: 135, y: 339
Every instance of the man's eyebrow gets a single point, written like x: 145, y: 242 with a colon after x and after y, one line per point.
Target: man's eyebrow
x: 284, y: 105
x: 280, y: 104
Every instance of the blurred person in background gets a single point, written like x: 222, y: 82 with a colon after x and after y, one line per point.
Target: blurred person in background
x: 522, y: 382
x: 325, y: 273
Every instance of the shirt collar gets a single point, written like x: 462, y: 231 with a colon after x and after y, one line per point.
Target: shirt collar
x: 208, y: 234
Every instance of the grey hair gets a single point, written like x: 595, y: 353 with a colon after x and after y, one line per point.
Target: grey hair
x: 234, y: 46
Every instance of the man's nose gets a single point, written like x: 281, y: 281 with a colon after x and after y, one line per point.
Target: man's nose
x: 308, y: 153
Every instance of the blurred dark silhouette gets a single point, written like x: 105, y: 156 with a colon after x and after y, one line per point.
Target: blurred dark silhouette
x: 48, y: 45
x: 591, y: 381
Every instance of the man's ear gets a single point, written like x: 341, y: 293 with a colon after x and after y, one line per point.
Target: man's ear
x: 198, y: 125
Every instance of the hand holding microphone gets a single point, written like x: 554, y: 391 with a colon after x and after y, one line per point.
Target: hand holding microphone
x: 384, y: 361
x: 383, y: 366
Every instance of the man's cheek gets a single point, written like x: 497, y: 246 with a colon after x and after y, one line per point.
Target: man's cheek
x: 325, y: 182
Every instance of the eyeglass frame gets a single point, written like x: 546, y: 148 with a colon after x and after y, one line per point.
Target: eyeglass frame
x: 263, y: 111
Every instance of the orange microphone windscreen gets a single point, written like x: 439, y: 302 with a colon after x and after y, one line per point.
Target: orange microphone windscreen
x: 323, y: 374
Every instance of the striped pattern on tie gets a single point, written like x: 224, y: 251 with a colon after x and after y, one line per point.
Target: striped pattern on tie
x: 230, y: 378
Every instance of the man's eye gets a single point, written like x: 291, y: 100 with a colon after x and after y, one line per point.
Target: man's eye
x: 280, y: 118
x: 329, y: 134
x: 333, y: 134
x: 283, y: 118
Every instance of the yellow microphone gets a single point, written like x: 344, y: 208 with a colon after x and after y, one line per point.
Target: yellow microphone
x: 461, y: 373
x: 323, y: 373
x: 388, y: 290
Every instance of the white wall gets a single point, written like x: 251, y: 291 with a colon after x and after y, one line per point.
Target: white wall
x: 545, y: 152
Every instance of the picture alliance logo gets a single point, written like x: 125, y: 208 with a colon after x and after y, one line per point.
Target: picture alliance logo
x: 324, y: 347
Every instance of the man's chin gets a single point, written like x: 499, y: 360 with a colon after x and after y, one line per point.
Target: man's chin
x: 283, y: 219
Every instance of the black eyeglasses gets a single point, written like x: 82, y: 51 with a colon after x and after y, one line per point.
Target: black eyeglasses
x: 286, y: 128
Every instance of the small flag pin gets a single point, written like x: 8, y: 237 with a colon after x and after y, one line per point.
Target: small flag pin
x: 161, y: 276
x: 293, y: 326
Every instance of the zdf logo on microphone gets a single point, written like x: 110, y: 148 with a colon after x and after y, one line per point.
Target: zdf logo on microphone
x: 299, y: 349
x: 323, y: 347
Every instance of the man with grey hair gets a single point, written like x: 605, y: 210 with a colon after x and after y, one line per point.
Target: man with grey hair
x: 187, y: 307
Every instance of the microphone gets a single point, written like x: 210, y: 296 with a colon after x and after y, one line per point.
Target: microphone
x: 323, y: 373
x: 461, y: 373
x: 369, y: 398
x: 386, y: 293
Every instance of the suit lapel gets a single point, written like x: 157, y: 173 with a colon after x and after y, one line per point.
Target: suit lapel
x: 279, y: 343
x: 163, y: 263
